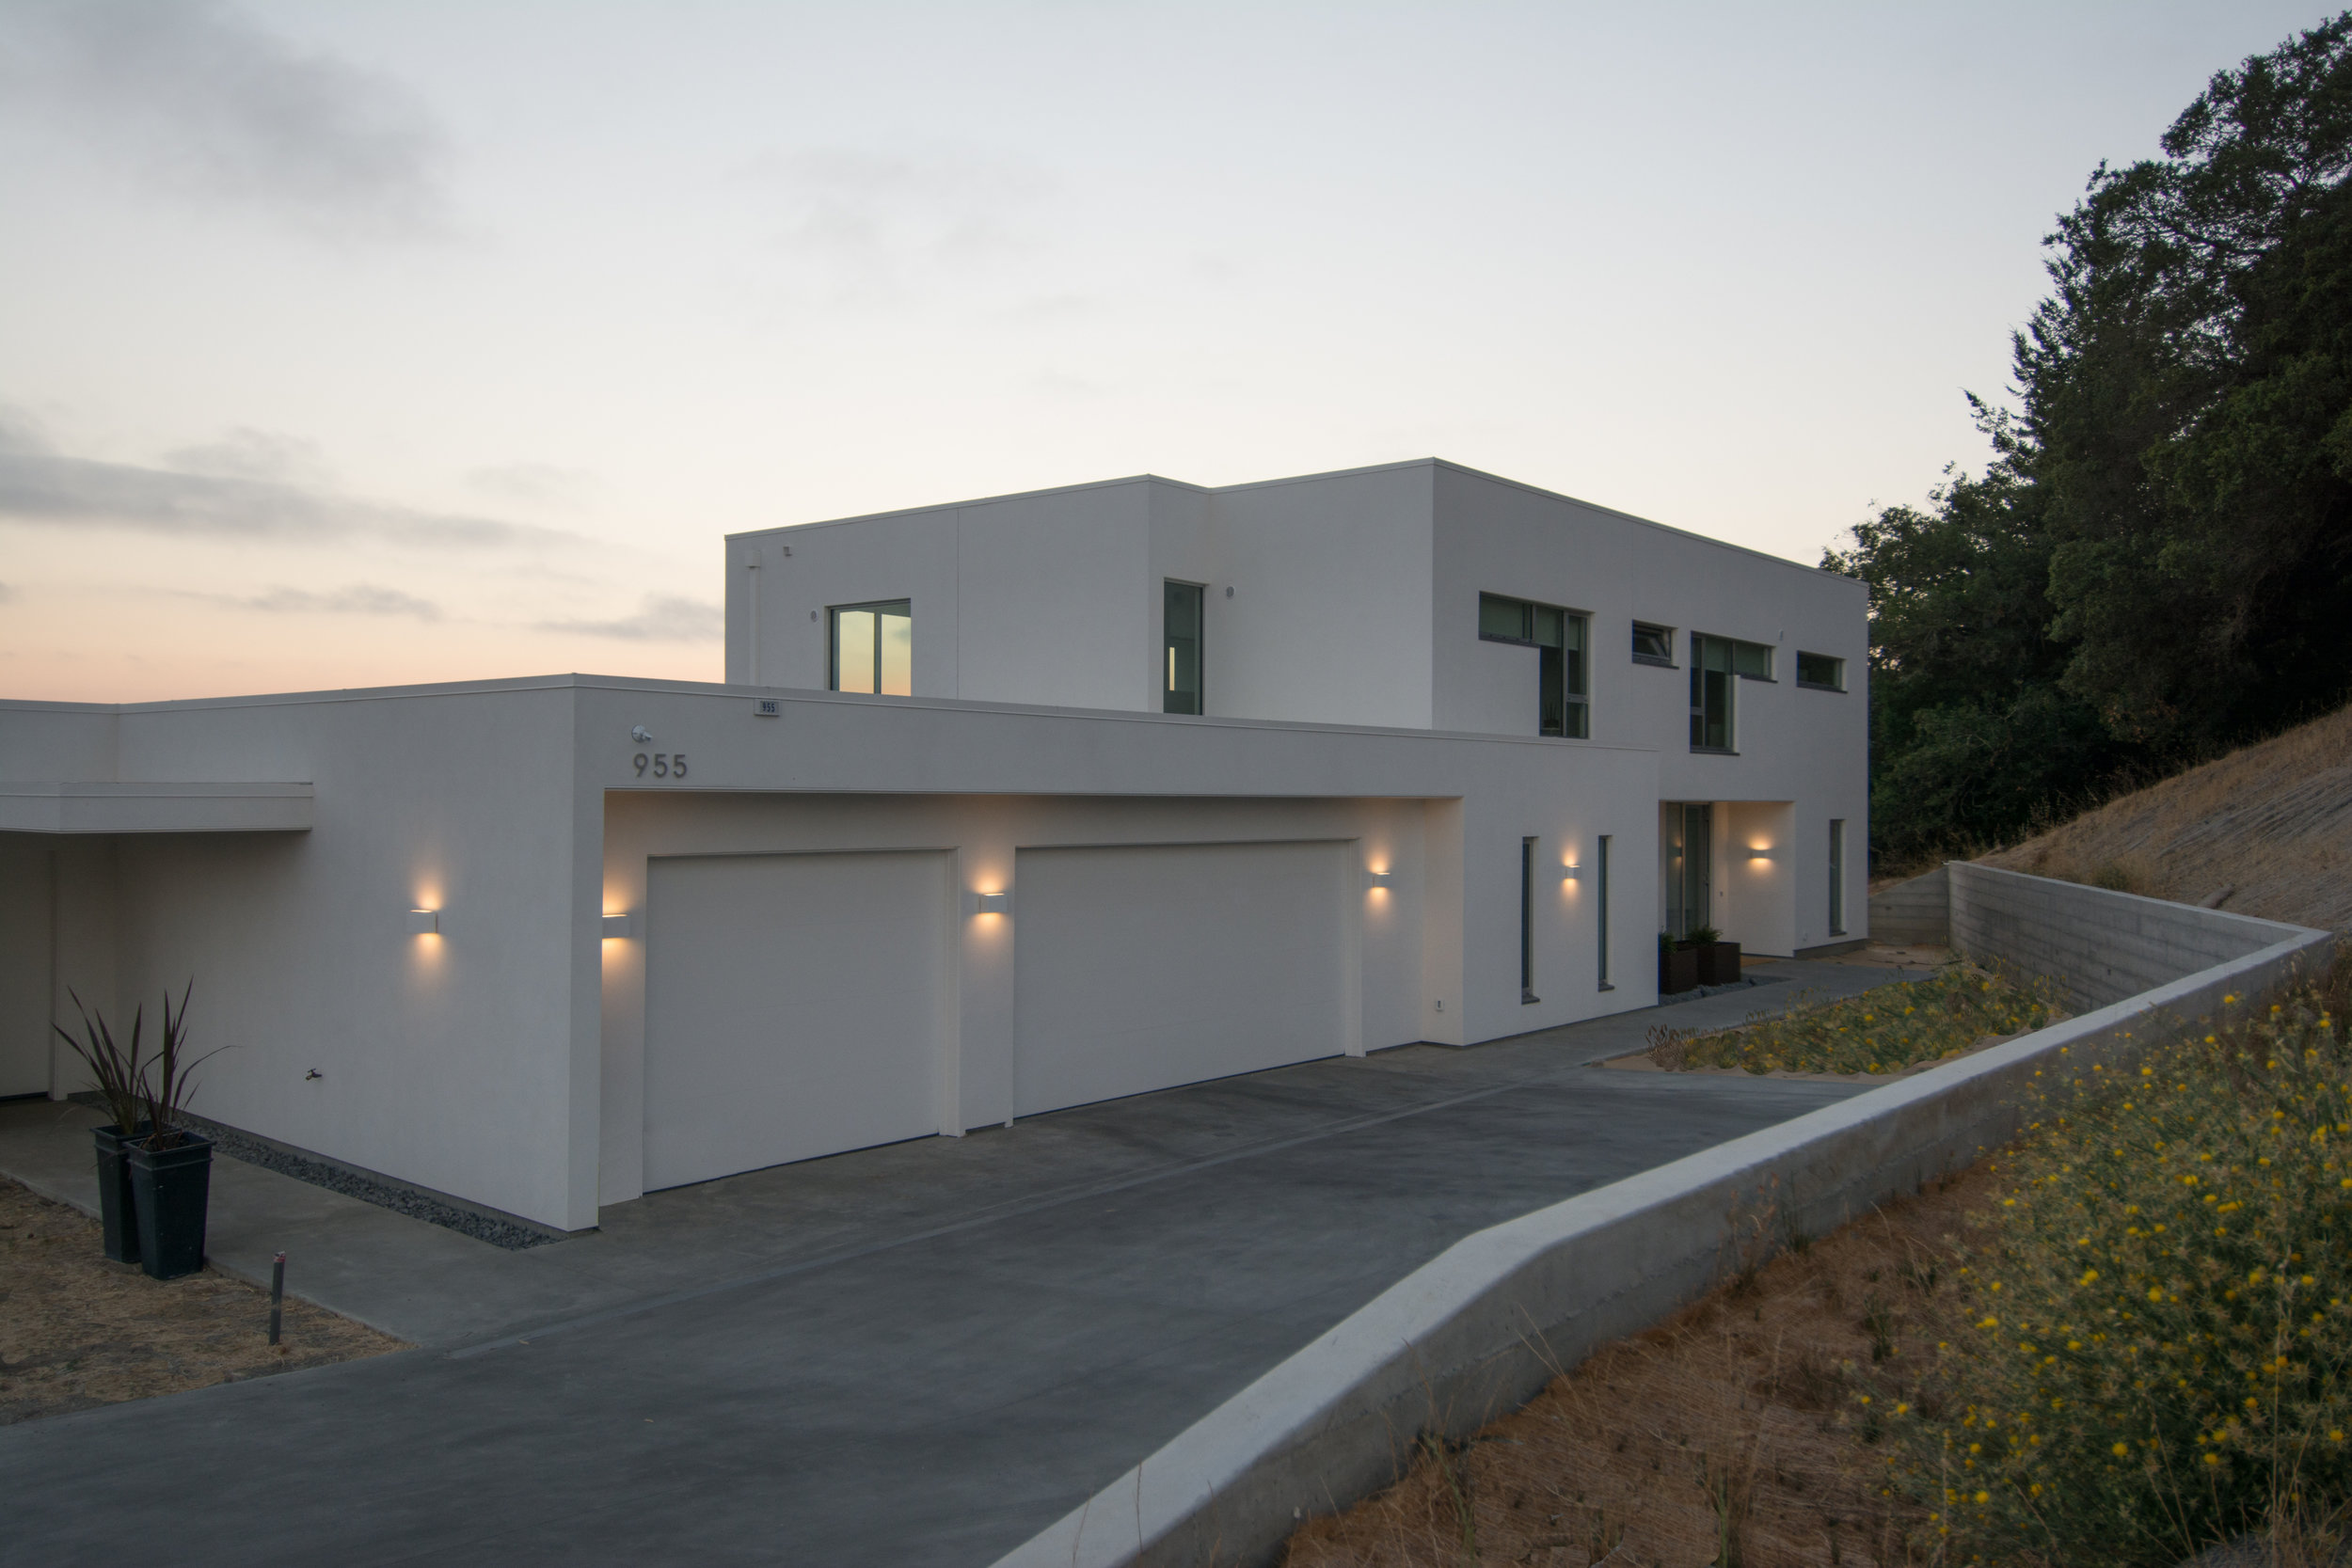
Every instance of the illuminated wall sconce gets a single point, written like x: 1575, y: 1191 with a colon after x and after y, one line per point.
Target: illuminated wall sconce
x: 992, y: 903
x: 1756, y: 854
x: 1381, y: 879
x: 424, y: 923
x: 620, y: 927
x: 1571, y: 873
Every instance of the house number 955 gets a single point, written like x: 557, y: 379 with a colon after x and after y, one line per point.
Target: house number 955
x: 662, y: 764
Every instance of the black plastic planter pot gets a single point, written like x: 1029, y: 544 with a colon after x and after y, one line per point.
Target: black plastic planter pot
x: 1677, y: 969
x: 1719, y: 963
x: 115, y: 1207
x: 169, y: 1188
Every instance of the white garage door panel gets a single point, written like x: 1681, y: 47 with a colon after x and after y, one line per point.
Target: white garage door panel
x: 1139, y: 969
x: 792, y: 1008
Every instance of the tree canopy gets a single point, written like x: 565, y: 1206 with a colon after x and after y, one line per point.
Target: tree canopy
x: 2158, y: 563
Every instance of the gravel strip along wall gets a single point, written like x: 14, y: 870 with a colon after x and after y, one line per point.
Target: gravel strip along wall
x: 1479, y: 1329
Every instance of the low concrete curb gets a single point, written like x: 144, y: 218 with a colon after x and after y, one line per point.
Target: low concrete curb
x: 1482, y: 1327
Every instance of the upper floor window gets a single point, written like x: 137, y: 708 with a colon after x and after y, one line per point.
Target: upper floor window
x: 1821, y: 671
x: 873, y: 647
x: 1653, y: 644
x: 1180, y: 626
x: 1559, y: 638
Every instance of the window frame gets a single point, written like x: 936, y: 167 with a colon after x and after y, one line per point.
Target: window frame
x: 1199, y: 648
x: 1837, y: 667
x: 1702, y: 646
x: 1662, y: 661
x: 1557, y: 664
x: 877, y: 607
x: 1527, y: 923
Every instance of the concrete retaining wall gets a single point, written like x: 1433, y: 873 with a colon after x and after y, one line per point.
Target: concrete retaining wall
x: 2100, y: 947
x: 1915, y: 911
x: 1482, y: 1327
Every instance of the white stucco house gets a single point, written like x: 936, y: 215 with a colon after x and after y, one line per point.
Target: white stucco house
x: 1003, y: 807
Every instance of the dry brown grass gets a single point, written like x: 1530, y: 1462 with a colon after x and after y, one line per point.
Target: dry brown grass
x: 1734, y: 1432
x: 2270, y: 826
x: 78, y: 1331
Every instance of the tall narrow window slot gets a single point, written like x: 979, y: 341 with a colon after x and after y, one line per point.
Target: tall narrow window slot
x: 873, y: 648
x: 1179, y: 624
x: 1838, y: 876
x: 1711, y: 693
x: 1527, y: 921
x: 1600, y: 892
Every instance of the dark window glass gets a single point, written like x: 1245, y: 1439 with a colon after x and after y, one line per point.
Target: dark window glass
x: 1711, y: 677
x: 1822, y: 671
x: 1502, y: 619
x: 1601, y: 891
x: 1527, y: 921
x: 1838, y: 876
x: 1179, y: 625
x: 1751, y: 659
x: 1653, y: 642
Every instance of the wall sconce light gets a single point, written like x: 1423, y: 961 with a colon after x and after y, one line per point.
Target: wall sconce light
x: 1381, y: 879
x: 620, y: 927
x: 992, y: 903
x: 1571, y: 873
x: 1756, y: 854
x: 424, y: 923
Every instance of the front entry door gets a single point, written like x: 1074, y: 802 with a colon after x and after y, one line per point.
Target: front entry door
x: 1690, y: 865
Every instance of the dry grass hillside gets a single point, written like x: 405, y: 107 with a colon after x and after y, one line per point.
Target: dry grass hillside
x: 2267, y: 831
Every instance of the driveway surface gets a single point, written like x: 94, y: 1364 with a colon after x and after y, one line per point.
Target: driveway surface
x: 919, y: 1354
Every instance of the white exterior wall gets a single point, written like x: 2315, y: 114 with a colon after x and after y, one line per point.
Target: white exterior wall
x: 500, y: 1061
x: 1802, y: 750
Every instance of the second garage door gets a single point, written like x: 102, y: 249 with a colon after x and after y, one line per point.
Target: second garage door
x: 1142, y: 968
x: 793, y: 1007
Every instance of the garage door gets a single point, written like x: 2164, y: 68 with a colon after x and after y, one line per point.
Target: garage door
x: 793, y: 1007
x: 1139, y: 969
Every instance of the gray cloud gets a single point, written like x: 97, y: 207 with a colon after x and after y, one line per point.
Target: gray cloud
x: 40, y: 486
x: 659, y: 618
x: 878, y: 221
x: 535, y: 482
x: 248, y: 454
x: 358, y: 598
x: 197, y: 97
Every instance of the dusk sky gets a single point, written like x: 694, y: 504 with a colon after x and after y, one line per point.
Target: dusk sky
x: 353, y: 344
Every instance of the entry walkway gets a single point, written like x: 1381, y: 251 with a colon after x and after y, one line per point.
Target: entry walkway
x: 915, y: 1354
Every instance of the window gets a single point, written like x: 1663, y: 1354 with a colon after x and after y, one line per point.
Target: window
x: 873, y: 648
x: 1527, y: 922
x: 1711, y: 693
x: 1600, y: 874
x: 1821, y: 671
x: 1562, y: 706
x: 1653, y: 644
x: 1838, y: 876
x: 1180, y: 628
x: 1752, y: 660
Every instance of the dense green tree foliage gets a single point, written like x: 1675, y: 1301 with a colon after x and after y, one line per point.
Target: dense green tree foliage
x: 2160, y: 561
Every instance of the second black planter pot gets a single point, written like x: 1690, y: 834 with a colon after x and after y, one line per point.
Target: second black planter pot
x: 116, y: 1211
x: 169, y: 1189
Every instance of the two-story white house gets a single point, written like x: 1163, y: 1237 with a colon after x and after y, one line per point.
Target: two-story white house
x: 1004, y: 806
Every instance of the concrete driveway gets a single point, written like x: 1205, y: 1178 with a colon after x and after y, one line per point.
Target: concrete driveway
x: 911, y: 1355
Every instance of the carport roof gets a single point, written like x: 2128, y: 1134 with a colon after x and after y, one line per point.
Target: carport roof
x: 69, y: 807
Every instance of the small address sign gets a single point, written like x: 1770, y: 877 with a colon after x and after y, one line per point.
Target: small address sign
x: 661, y: 764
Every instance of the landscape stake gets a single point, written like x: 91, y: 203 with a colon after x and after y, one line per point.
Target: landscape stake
x: 277, y: 1295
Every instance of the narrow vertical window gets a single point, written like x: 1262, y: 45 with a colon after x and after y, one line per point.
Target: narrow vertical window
x: 1838, y: 876
x: 1600, y: 892
x: 873, y: 648
x: 1527, y: 921
x: 1711, y: 693
x: 1179, y: 625
x: 1559, y: 638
